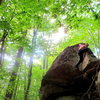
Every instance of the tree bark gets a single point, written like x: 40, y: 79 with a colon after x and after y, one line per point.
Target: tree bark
x: 29, y: 78
x: 45, y: 62
x: 2, y: 40
x: 0, y: 2
x: 30, y: 65
x: 11, y: 84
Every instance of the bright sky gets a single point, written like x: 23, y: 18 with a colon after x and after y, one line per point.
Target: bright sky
x: 57, y: 36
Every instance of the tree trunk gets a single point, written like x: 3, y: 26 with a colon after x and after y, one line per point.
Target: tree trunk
x: 15, y: 89
x: 2, y: 40
x: 29, y: 78
x: 45, y: 62
x: 0, y: 2
x: 11, y: 85
x: 30, y: 65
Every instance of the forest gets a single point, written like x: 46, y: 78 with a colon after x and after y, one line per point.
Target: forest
x: 34, y: 32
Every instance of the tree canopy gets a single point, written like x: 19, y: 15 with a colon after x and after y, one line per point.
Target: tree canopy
x: 28, y: 33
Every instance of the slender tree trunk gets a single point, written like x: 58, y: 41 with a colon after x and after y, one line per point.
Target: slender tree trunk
x: 15, y: 89
x: 2, y: 40
x: 0, y: 2
x: 45, y: 62
x: 29, y: 78
x: 1, y: 53
x: 30, y: 65
x: 11, y: 84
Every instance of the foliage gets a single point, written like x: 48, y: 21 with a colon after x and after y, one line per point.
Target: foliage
x: 80, y: 19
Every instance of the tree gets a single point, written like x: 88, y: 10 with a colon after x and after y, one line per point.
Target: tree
x: 12, y: 81
x: 31, y: 64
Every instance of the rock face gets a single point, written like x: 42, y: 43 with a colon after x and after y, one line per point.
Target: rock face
x: 72, y: 75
